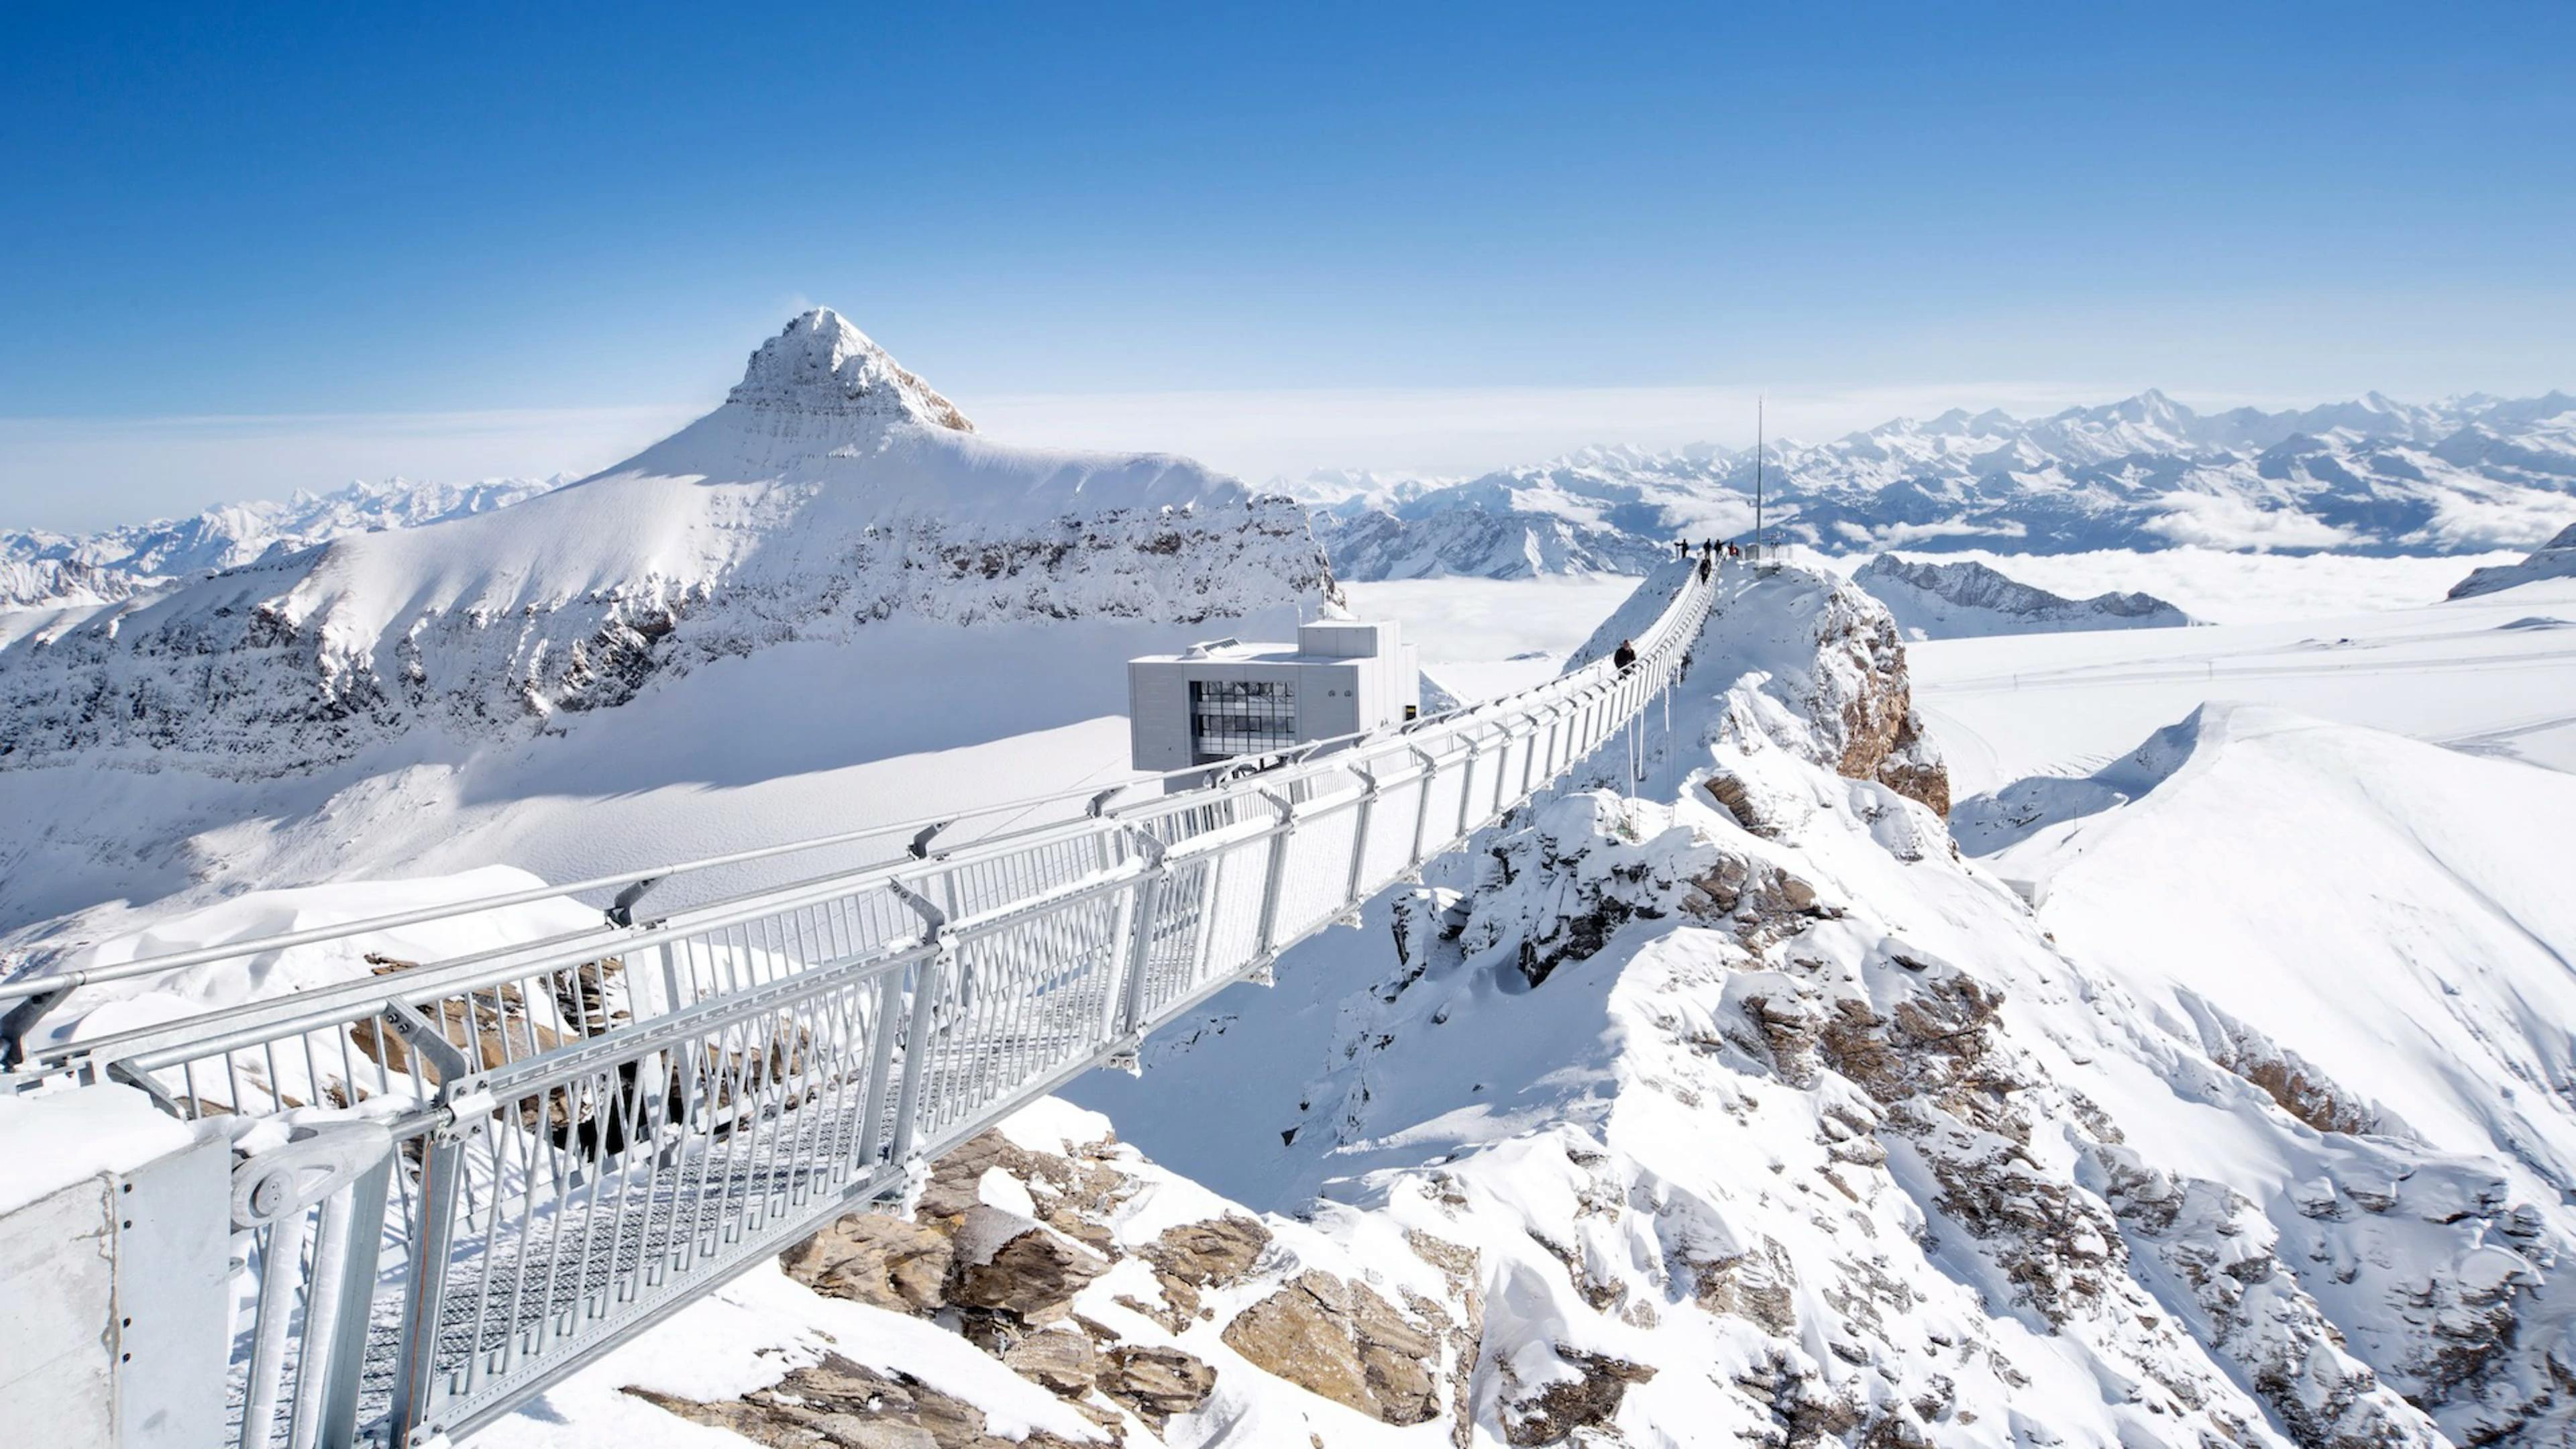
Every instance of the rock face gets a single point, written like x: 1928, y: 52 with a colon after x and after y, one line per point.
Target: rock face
x: 878, y: 1259
x: 2555, y: 559
x: 1589, y: 1400
x: 1883, y: 737
x: 1025, y: 1242
x: 1006, y: 1263
x: 1343, y: 1341
x: 832, y: 491
x: 840, y: 1403
x: 1967, y: 600
x: 1824, y: 669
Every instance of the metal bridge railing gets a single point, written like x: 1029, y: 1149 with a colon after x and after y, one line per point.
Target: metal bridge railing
x: 466, y: 1178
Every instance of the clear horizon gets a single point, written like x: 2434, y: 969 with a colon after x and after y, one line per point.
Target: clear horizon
x: 1478, y: 431
x: 257, y: 256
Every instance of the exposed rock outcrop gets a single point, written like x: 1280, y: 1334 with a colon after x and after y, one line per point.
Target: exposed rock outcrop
x: 1026, y: 1251
x: 850, y: 1406
x: 1556, y: 1411
x: 1343, y: 1341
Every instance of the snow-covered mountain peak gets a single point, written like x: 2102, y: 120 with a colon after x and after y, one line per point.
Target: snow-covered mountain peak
x: 2153, y: 407
x: 832, y: 490
x: 820, y: 363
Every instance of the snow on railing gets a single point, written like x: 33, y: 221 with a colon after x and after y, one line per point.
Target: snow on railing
x: 474, y: 1175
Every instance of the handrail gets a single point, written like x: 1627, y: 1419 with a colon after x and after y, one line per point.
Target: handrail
x: 597, y: 1128
x: 1447, y: 722
x: 637, y: 878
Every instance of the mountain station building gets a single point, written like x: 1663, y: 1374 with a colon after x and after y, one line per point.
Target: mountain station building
x: 1226, y: 698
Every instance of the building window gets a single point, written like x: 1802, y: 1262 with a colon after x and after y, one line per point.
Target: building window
x: 1241, y: 717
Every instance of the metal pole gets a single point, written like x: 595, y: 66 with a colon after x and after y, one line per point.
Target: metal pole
x: 337, y: 1420
x: 1140, y: 952
x: 1360, y: 832
x: 442, y: 1174
x: 930, y: 979
x: 1421, y: 804
x: 279, y: 1265
x: 872, y: 1131
x: 1267, y: 939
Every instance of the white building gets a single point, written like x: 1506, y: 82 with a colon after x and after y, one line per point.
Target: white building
x: 1225, y: 698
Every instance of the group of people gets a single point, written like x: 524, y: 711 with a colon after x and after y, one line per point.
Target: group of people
x: 1710, y: 551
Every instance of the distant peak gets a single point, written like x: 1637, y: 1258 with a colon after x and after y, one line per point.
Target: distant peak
x: 2154, y: 404
x: 820, y: 363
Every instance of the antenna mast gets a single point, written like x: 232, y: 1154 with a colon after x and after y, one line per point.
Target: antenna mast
x: 1759, y: 537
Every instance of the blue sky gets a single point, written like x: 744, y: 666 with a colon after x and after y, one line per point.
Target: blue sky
x: 470, y: 239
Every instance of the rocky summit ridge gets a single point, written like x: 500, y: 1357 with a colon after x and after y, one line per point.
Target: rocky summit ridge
x: 820, y: 362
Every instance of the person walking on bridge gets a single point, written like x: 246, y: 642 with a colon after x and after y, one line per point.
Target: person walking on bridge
x: 1624, y: 657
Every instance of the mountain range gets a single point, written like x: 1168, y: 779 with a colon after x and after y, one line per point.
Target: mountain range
x: 2372, y: 476
x: 39, y: 568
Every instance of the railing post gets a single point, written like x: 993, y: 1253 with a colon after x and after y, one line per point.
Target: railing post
x: 679, y: 1063
x: 342, y: 1292
x: 1360, y: 832
x: 1122, y: 937
x: 1422, y: 803
x: 1277, y: 876
x: 1140, y: 936
x: 872, y: 1133
x: 1203, y: 930
x: 928, y: 985
x: 929, y: 981
x: 442, y: 1174
x: 1466, y: 787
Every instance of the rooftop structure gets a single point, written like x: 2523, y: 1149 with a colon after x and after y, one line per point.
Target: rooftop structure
x: 1225, y: 698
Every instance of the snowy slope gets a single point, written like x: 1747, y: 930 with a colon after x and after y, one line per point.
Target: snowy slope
x: 1781, y: 1088
x: 826, y: 603
x: 2555, y: 559
x: 2212, y: 859
x: 2373, y: 475
x: 831, y: 490
x: 2493, y: 674
x: 51, y: 570
x: 1968, y: 599
x: 1748, y: 1110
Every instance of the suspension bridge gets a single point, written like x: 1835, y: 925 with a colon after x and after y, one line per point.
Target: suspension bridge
x: 456, y: 1181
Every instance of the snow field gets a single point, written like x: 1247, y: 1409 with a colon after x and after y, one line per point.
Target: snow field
x: 2493, y: 675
